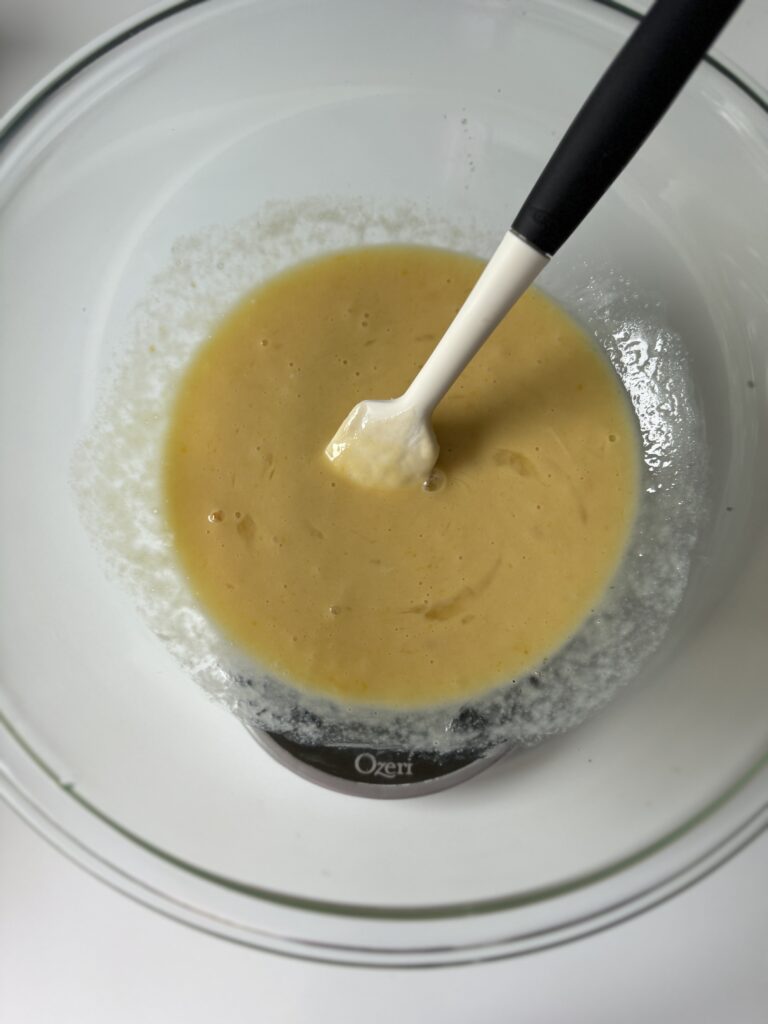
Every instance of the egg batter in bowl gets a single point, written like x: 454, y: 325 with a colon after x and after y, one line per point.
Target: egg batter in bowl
x: 426, y: 594
x: 505, y: 599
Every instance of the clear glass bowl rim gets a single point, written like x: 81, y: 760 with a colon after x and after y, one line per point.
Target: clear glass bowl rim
x: 746, y: 797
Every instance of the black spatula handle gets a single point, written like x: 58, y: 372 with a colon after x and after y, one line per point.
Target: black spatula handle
x: 618, y: 116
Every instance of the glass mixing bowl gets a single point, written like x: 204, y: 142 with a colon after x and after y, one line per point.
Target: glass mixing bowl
x: 155, y: 178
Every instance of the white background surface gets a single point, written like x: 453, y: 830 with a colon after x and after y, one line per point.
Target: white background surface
x: 72, y: 950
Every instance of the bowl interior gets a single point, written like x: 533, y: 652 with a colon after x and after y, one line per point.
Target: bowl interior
x: 233, y: 138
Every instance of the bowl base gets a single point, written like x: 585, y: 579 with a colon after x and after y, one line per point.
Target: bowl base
x: 377, y: 773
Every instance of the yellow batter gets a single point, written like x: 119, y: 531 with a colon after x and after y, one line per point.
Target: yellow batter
x: 418, y: 595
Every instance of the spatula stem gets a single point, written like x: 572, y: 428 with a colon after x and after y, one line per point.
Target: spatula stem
x: 508, y: 273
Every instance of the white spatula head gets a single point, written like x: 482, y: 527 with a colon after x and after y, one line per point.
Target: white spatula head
x: 385, y: 445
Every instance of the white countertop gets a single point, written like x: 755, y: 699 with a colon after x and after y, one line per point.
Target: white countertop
x: 72, y: 950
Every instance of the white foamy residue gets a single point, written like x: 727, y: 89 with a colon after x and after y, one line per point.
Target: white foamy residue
x: 117, y: 476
